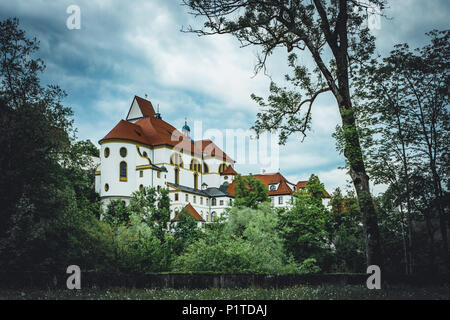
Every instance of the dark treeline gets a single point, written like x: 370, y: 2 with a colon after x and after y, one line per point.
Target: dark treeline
x: 51, y: 217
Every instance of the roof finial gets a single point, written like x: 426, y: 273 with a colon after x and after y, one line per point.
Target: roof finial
x: 145, y: 95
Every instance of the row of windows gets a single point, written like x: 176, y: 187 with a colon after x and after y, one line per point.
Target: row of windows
x: 175, y: 159
x: 194, y: 200
x: 195, y: 165
x: 141, y: 186
x: 280, y: 200
x: 122, y: 152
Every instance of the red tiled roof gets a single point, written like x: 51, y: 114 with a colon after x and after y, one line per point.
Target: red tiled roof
x: 301, y: 185
x: 268, y: 179
x: 153, y: 131
x: 191, y: 210
x: 210, y: 149
x: 229, y: 171
x: 283, y: 188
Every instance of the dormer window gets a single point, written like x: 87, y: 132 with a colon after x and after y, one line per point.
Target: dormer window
x: 272, y: 187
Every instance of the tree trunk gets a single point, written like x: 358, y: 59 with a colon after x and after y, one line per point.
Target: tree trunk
x: 360, y: 179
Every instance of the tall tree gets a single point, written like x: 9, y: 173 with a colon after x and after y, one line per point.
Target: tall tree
x: 335, y: 34
x: 403, y: 103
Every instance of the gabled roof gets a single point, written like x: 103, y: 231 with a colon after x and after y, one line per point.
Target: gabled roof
x: 229, y: 171
x: 144, y: 105
x: 283, y: 188
x: 191, y: 210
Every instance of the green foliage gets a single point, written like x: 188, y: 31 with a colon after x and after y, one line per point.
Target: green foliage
x: 248, y: 242
x: 403, y: 114
x: 309, y: 266
x: 139, y: 249
x: 303, y: 229
x: 346, y: 233
x: 249, y: 192
x: 316, y: 188
x: 47, y: 219
x: 185, y: 232
x: 117, y: 213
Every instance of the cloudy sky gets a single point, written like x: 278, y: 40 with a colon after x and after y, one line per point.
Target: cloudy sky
x: 127, y: 48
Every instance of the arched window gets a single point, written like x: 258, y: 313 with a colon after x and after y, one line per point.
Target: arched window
x: 141, y: 186
x: 123, y: 171
x: 106, y: 152
x: 123, y: 152
x: 213, y: 201
x: 176, y: 160
x: 205, y: 167
x: 195, y: 165
x: 195, y: 180
x: 222, y: 167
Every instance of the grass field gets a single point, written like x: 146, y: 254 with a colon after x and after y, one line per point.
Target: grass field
x: 322, y: 292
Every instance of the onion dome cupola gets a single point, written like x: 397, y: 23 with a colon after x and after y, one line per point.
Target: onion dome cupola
x: 186, y: 130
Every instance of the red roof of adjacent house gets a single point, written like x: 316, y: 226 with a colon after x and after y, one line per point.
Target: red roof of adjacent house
x: 153, y: 131
x: 283, y: 188
x: 268, y: 179
x: 229, y: 171
x: 191, y: 210
x: 302, y: 185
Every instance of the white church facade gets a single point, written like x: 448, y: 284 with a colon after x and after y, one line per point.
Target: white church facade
x: 145, y: 151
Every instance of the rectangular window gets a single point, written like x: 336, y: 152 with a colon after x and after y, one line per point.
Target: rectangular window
x: 176, y: 196
x: 187, y: 197
x: 195, y: 199
x: 213, y: 202
x: 221, y: 202
x: 272, y: 199
x: 280, y: 200
x: 141, y: 173
x: 158, y: 174
x: 201, y: 200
